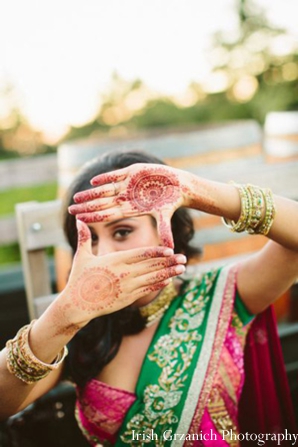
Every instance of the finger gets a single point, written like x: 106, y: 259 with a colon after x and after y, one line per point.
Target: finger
x: 89, y: 207
x: 164, y: 229
x: 153, y: 265
x: 84, y: 238
x: 94, y: 193
x: 109, y: 177
x: 138, y: 255
x: 101, y: 216
x: 145, y: 290
x: 161, y: 275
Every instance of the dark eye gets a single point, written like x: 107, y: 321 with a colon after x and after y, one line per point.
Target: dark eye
x: 94, y: 238
x: 122, y: 233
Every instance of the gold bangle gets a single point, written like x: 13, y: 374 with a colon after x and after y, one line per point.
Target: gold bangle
x: 23, y: 364
x: 15, y: 369
x: 257, y: 211
x: 241, y: 224
x: 267, y: 222
x: 257, y: 208
x: 29, y: 357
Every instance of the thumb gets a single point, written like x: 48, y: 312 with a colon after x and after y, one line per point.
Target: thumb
x: 164, y: 229
x: 84, y: 238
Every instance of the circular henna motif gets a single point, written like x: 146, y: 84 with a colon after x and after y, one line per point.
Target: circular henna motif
x: 97, y: 286
x: 96, y: 289
x: 152, y: 190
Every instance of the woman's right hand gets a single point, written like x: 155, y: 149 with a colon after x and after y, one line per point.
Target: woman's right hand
x: 100, y: 285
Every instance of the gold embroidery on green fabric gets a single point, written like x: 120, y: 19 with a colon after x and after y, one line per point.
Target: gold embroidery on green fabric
x: 240, y: 329
x: 173, y: 354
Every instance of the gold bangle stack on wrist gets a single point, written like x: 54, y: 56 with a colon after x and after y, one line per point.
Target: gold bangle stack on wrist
x: 257, y: 210
x: 22, y: 363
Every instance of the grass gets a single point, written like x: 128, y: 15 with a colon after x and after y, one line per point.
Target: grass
x: 41, y: 193
x: 10, y: 253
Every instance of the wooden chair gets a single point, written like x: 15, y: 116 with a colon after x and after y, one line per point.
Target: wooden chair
x: 50, y: 420
x: 39, y: 227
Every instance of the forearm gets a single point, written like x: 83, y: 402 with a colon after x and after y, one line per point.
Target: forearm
x: 47, y: 338
x: 220, y: 199
x: 16, y: 395
x: 224, y: 200
x: 284, y: 227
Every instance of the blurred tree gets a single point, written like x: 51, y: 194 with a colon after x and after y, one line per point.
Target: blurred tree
x: 259, y: 63
x: 253, y: 70
x: 17, y: 136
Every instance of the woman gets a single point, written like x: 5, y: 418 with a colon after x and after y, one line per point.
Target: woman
x: 153, y: 368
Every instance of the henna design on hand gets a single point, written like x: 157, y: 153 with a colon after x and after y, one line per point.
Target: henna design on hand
x: 96, y: 289
x: 83, y: 233
x: 151, y: 190
x: 62, y: 323
x: 165, y: 232
x: 95, y: 217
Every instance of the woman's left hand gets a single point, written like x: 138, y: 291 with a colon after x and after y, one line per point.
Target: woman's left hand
x: 136, y: 190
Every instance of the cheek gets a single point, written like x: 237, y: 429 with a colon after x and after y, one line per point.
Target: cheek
x: 149, y: 236
x: 94, y: 249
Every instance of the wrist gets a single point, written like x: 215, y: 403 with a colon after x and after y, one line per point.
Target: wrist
x: 64, y: 316
x: 200, y: 194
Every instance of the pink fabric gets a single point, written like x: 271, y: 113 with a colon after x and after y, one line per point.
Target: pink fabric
x: 222, y: 408
x: 209, y: 432
x: 265, y: 405
x: 101, y: 410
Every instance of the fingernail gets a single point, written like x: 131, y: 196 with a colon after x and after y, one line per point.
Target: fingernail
x: 180, y: 269
x: 79, y: 223
x: 181, y: 259
x: 168, y: 252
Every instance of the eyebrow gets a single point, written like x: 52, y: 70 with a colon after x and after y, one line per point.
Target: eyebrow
x: 115, y: 222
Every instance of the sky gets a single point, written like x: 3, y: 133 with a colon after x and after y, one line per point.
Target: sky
x: 60, y: 54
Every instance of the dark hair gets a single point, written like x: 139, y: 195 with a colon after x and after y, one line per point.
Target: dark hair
x: 98, y: 342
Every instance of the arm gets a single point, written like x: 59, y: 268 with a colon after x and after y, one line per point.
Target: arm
x: 266, y: 275
x: 97, y: 285
x: 160, y: 190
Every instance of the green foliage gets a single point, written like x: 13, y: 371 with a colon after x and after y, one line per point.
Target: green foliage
x: 9, y: 254
x: 11, y: 197
x: 86, y: 130
x: 7, y: 155
x: 279, y: 97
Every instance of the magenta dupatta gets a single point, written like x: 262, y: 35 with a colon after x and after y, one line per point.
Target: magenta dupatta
x: 265, y: 405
